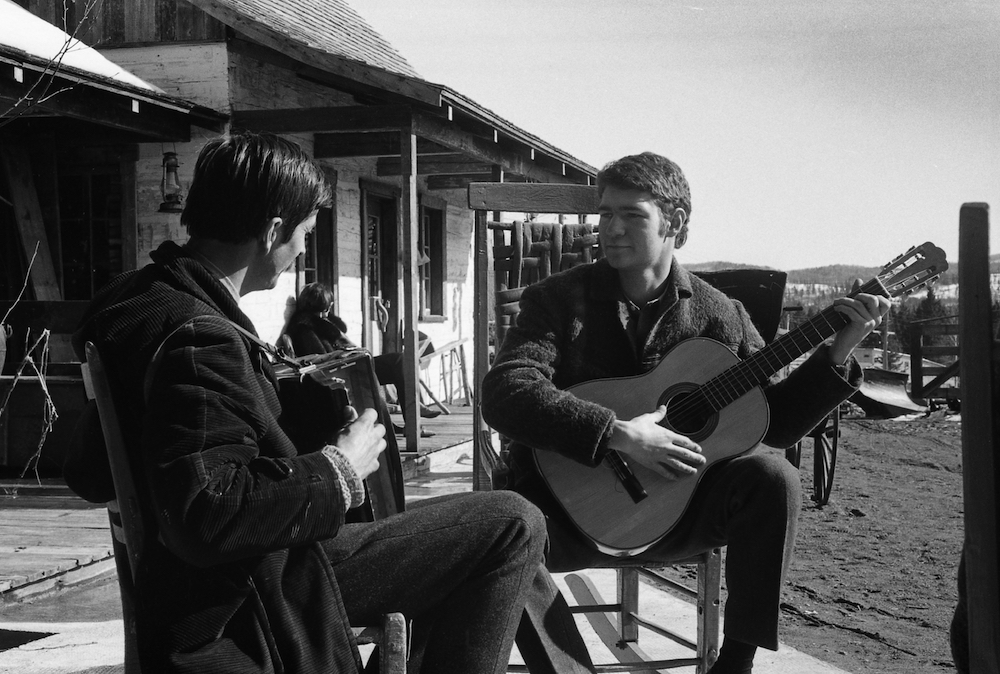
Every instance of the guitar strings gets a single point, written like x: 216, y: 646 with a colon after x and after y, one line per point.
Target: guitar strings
x: 889, y: 282
x: 736, y: 381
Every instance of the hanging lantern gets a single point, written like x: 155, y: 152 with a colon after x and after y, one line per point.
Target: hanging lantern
x: 170, y: 186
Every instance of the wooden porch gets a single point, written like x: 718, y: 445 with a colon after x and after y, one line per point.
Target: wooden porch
x: 69, y: 544
x: 50, y: 538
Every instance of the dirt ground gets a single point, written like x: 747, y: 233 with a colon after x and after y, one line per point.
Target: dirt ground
x: 872, y: 587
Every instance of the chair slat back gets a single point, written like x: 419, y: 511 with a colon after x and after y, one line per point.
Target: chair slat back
x: 133, y: 528
x: 760, y: 290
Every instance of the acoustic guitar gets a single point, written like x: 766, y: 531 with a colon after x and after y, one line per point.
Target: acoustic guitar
x: 712, y: 397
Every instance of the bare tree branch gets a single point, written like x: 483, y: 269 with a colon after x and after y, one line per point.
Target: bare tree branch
x: 48, y: 75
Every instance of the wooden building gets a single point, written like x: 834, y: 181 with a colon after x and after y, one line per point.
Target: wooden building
x: 72, y: 122
x: 397, y: 246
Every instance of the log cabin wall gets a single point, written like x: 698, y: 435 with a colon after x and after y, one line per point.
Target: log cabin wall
x: 184, y: 51
x: 224, y: 79
x: 113, y: 23
x: 257, y: 84
x: 196, y: 72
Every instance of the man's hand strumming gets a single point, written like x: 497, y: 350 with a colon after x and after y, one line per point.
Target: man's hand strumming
x: 658, y: 448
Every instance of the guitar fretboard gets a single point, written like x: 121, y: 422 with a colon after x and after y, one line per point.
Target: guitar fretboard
x: 736, y: 381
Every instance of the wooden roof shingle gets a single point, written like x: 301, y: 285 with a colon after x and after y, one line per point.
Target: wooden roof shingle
x: 329, y: 26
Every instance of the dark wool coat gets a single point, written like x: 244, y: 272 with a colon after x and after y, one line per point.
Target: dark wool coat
x: 570, y: 330
x: 311, y: 334
x: 237, y: 581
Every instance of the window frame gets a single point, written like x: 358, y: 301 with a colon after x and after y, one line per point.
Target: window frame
x: 432, y: 237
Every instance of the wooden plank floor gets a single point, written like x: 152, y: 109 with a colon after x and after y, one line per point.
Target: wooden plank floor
x: 46, y: 530
x: 448, y: 429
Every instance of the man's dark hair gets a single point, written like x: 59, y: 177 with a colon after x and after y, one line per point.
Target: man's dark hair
x: 243, y: 180
x: 649, y: 172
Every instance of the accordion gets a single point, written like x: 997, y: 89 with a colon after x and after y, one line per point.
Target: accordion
x: 314, y: 390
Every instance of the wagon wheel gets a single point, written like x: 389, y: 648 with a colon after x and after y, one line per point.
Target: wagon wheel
x: 825, y: 437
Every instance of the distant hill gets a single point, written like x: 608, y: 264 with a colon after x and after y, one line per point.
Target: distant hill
x: 834, y: 274
x: 837, y: 274
x: 716, y: 266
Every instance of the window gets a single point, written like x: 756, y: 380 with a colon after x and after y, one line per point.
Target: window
x: 319, y: 262
x: 431, y: 259
x: 90, y: 209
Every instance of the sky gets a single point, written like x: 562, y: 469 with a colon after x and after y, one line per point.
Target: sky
x: 812, y: 132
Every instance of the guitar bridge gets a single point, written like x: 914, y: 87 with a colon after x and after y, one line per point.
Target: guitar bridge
x: 625, y: 475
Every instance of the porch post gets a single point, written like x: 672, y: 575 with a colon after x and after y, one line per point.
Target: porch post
x: 481, y: 479
x: 408, y: 259
x: 28, y: 215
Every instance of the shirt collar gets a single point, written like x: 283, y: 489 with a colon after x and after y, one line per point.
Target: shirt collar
x: 217, y: 273
x: 607, y: 285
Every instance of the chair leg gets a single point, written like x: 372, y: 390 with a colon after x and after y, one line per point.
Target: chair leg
x: 628, y: 597
x: 709, y: 602
x: 437, y: 402
x: 463, y: 375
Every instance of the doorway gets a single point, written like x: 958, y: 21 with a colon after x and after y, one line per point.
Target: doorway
x: 380, y: 289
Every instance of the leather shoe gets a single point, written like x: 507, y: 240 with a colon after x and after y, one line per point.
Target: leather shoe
x: 428, y: 413
x: 424, y: 433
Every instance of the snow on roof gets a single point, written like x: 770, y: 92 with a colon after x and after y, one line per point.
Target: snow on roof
x: 22, y: 31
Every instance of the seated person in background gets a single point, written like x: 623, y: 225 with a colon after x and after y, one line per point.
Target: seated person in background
x: 313, y: 329
x: 251, y: 567
x: 620, y: 317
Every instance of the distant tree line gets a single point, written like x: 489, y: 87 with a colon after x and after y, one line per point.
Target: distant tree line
x: 905, y: 316
x: 822, y: 285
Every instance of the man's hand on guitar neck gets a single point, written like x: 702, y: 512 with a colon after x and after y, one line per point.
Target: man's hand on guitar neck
x: 362, y: 441
x: 658, y: 448
x: 865, y: 313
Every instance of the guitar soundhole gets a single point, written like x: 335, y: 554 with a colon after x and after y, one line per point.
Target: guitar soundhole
x: 688, y: 413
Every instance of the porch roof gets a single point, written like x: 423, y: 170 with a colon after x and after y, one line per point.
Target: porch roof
x: 331, y: 43
x: 331, y: 27
x: 50, y: 74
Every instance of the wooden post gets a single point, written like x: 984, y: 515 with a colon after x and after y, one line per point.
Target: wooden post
x: 886, y: 365
x: 980, y: 377
x: 367, y: 310
x: 407, y: 251
x: 482, y: 439
x: 917, y: 363
x: 28, y: 213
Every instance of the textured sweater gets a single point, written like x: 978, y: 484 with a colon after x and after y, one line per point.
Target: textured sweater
x: 571, y: 329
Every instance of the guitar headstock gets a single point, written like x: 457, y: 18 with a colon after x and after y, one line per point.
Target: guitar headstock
x: 915, y: 269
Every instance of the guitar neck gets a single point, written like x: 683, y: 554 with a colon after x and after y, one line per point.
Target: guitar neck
x: 748, y: 374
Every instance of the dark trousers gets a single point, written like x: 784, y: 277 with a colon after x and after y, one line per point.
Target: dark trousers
x: 750, y: 504
x: 462, y: 568
x: 389, y: 370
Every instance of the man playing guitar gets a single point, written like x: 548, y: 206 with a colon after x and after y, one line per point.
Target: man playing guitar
x: 620, y: 317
